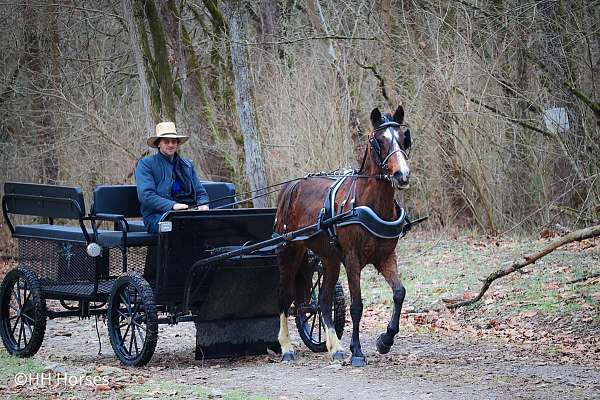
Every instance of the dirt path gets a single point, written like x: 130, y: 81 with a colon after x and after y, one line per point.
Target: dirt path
x: 420, y: 366
x: 535, y: 335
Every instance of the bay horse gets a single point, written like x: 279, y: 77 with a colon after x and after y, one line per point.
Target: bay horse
x: 385, y: 168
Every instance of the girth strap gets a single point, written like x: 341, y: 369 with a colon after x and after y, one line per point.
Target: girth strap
x: 329, y: 211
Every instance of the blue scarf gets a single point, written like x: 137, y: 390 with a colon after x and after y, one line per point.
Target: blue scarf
x: 182, y: 189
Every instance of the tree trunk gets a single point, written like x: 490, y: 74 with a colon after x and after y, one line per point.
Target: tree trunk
x: 269, y: 18
x: 195, y: 108
x: 139, y: 15
x: 42, y: 49
x: 162, y: 71
x: 134, y: 42
x: 391, y: 48
x: 255, y: 167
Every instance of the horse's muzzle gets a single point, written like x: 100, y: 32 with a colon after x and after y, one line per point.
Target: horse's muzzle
x: 400, y: 180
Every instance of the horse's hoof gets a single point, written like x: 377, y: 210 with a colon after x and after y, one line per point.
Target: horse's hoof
x: 338, y: 356
x: 359, y: 361
x: 288, y: 357
x: 382, y: 348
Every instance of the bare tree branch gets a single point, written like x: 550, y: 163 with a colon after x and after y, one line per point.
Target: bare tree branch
x: 578, y: 235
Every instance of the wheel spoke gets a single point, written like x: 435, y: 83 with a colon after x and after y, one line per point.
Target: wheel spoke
x: 30, y: 330
x: 15, y: 326
x: 141, y: 331
x: 24, y: 333
x: 121, y: 314
x: 137, y: 350
x: 312, y: 327
x: 14, y: 307
x: 23, y: 295
x: 140, y: 325
x: 17, y: 295
x: 124, y: 337
x: 131, y: 340
x: 27, y: 297
x: 28, y: 317
x: 21, y: 330
x: 126, y: 302
x: 135, y: 306
x: 312, y: 290
x: 320, y: 326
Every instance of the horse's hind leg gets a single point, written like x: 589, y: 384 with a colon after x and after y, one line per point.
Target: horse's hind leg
x: 330, y: 277
x: 291, y: 257
x: 389, y: 271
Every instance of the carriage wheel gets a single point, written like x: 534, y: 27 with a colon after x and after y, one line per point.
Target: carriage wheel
x: 309, y: 319
x: 22, y: 313
x: 132, y: 320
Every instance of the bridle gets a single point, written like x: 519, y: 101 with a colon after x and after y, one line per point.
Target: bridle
x: 381, y: 160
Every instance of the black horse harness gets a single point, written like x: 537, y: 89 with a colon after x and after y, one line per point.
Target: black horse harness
x: 361, y: 215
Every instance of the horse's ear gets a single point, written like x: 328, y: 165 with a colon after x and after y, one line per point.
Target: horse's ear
x: 375, y: 117
x: 399, y: 115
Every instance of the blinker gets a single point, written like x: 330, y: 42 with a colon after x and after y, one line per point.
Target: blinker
x: 407, y: 140
x: 376, y: 146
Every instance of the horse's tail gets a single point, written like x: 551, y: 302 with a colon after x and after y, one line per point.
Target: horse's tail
x: 285, y: 199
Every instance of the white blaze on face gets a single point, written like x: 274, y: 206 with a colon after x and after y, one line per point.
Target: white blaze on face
x: 399, y: 155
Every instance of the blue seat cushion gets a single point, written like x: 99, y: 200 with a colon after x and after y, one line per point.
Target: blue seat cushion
x: 106, y: 238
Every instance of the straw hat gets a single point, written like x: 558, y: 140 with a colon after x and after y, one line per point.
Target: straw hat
x: 165, y: 130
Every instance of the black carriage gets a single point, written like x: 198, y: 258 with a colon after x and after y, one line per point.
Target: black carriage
x: 217, y: 268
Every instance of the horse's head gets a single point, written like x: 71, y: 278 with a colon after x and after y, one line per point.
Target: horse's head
x: 390, y: 142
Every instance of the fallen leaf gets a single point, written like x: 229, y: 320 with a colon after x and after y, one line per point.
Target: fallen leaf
x: 551, y: 286
x: 529, y: 314
x: 102, y: 387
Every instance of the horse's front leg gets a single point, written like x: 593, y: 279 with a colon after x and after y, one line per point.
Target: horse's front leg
x: 356, y: 311
x: 389, y: 270
x: 330, y: 277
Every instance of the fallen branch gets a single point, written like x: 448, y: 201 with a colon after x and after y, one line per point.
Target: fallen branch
x: 575, y: 236
x: 584, y: 278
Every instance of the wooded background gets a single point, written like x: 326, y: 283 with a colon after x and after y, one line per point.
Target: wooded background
x: 270, y: 90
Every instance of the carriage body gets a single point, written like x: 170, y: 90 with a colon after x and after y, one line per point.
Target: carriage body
x: 150, y: 271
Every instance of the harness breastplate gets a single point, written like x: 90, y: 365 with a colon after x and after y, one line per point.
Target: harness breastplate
x: 368, y: 219
x: 361, y: 215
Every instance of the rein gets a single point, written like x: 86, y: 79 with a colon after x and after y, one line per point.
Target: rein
x: 253, y: 194
x: 382, y: 162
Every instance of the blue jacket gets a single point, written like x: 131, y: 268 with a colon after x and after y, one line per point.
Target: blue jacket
x: 154, y: 179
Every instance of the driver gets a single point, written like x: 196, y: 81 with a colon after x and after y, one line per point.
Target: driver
x: 165, y: 181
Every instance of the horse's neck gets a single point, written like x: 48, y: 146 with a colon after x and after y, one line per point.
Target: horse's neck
x: 375, y: 192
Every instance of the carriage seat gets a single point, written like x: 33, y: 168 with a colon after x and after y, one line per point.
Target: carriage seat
x: 64, y: 203
x: 106, y: 238
x: 120, y: 205
x: 45, y: 201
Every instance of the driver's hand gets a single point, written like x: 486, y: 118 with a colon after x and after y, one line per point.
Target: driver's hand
x: 179, y: 206
x: 203, y: 208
